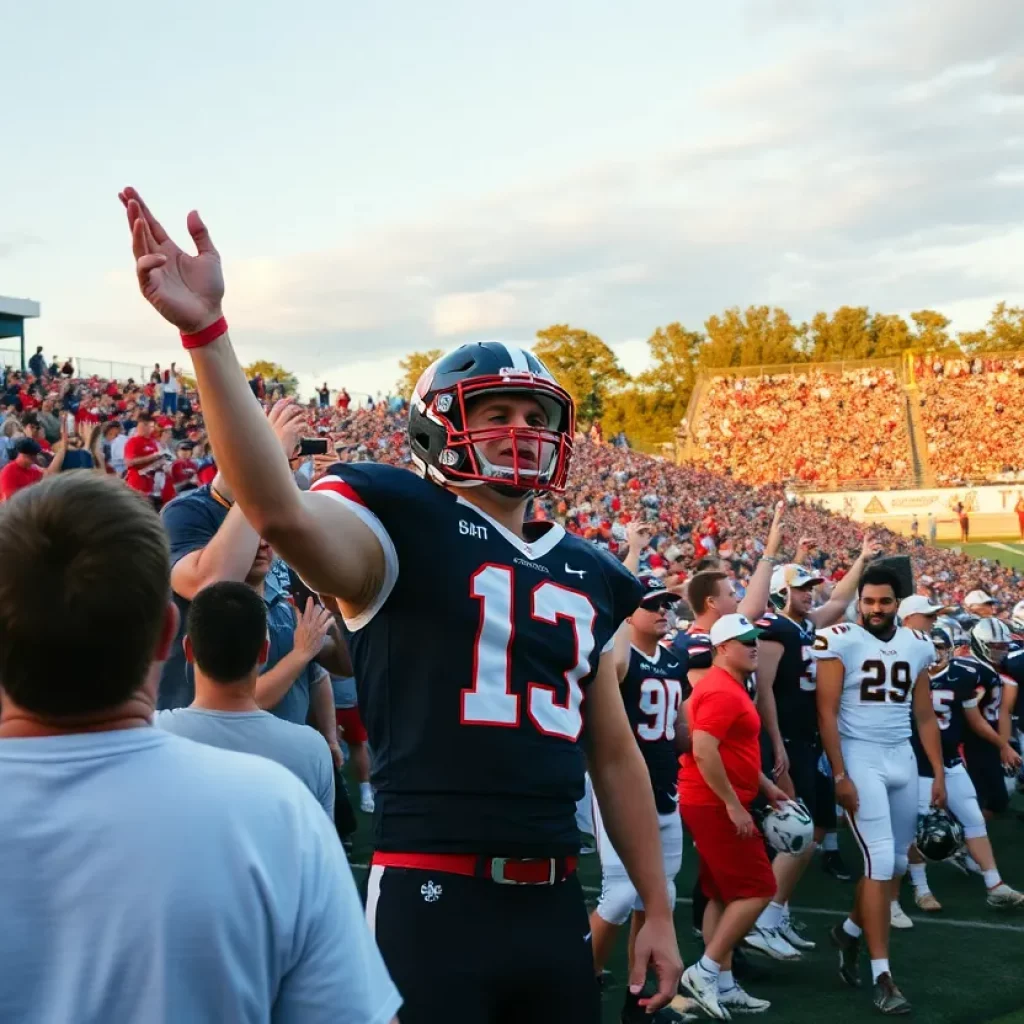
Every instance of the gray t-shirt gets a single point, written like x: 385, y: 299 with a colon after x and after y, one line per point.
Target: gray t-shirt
x: 302, y: 750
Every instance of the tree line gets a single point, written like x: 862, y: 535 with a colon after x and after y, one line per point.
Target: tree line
x: 650, y: 405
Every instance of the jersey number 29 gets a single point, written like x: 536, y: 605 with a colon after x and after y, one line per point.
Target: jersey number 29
x: 490, y: 701
x: 876, y: 688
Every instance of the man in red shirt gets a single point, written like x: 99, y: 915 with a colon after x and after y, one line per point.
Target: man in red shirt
x: 141, y: 455
x: 22, y: 470
x: 719, y: 780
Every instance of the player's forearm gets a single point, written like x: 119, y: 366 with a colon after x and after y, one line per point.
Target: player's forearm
x: 931, y: 741
x: 709, y: 762
x: 227, y: 558
x: 334, y: 654
x: 980, y: 727
x: 1006, y: 712
x: 322, y: 709
x: 755, y: 601
x: 845, y: 591
x: 247, y: 452
x: 768, y: 711
x: 828, y: 727
x: 622, y: 786
x: 277, y: 681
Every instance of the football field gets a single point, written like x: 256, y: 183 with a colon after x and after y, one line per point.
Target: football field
x: 962, y: 966
x: 1008, y: 552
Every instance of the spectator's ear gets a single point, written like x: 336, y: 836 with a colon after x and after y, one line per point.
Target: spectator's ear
x: 264, y: 652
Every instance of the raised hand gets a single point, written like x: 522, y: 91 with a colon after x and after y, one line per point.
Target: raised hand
x: 185, y: 290
x: 311, y: 629
x: 774, y: 541
x: 639, y: 535
x: 871, y: 548
x: 289, y: 422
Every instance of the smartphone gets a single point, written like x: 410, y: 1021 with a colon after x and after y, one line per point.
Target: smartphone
x: 313, y: 446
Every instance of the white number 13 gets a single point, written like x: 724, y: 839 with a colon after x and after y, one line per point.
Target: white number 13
x: 490, y: 701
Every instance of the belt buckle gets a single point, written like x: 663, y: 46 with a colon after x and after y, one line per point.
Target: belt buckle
x: 498, y: 870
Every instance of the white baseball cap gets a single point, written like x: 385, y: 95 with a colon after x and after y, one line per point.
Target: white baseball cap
x: 918, y: 604
x: 976, y: 597
x: 792, y: 575
x: 733, y: 627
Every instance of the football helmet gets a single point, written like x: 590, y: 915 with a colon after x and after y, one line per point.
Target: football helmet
x: 446, y: 452
x: 952, y: 627
x: 788, y: 829
x: 990, y: 641
x: 939, y: 835
x: 944, y: 646
x: 1017, y: 617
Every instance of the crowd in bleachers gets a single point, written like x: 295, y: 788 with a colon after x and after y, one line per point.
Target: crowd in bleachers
x: 819, y: 428
x: 972, y: 413
x: 694, y: 512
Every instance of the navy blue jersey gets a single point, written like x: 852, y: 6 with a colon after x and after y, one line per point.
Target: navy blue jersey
x: 693, y: 649
x: 1013, y: 666
x: 795, y: 678
x: 472, y: 666
x: 953, y: 689
x: 654, y: 688
x: 989, y: 688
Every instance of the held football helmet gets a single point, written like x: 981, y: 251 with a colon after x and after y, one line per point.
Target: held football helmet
x: 446, y: 452
x: 789, y: 829
x: 939, y: 835
x: 1017, y: 617
x: 990, y: 641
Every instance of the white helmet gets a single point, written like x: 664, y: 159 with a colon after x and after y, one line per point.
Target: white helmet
x: 1017, y: 616
x: 789, y: 829
x: 990, y: 640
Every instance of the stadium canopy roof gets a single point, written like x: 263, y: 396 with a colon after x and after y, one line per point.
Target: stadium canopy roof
x: 13, y: 314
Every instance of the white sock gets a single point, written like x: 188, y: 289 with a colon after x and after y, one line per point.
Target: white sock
x: 853, y: 930
x: 725, y: 981
x: 830, y: 842
x: 894, y: 905
x: 878, y: 967
x: 991, y: 877
x: 919, y: 878
x: 771, y: 916
x: 709, y: 967
x: 365, y: 790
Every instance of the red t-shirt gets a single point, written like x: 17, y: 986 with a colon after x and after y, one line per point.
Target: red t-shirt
x: 136, y: 448
x: 721, y: 706
x: 13, y: 477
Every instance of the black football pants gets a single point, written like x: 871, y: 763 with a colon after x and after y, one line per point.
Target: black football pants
x: 471, y: 951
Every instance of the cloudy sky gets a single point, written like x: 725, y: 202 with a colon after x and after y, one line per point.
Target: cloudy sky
x: 381, y: 178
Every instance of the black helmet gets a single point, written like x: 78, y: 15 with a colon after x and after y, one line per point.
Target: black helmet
x: 939, y: 835
x: 446, y: 452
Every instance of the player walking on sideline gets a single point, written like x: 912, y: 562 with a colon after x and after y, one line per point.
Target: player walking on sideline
x: 653, y: 683
x: 869, y: 679
x: 473, y: 698
x: 720, y: 778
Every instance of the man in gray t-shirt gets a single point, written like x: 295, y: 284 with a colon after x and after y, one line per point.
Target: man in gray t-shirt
x: 300, y: 749
x: 226, y: 643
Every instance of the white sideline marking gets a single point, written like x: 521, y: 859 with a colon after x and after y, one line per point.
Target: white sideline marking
x: 949, y: 922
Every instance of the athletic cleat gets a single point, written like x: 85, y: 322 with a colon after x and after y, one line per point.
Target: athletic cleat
x: 1004, y: 897
x: 703, y: 988
x: 833, y: 864
x: 888, y: 999
x: 898, y: 919
x: 849, y: 953
x: 926, y: 901
x: 770, y: 942
x: 790, y: 931
x: 738, y: 1000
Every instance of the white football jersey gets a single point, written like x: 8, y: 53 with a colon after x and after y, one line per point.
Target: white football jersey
x: 878, y: 679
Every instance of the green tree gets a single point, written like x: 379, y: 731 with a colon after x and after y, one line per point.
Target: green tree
x: 971, y: 341
x: 412, y: 367
x: 931, y: 332
x: 1006, y: 329
x: 844, y: 335
x: 890, y: 335
x: 273, y: 373
x: 583, y: 364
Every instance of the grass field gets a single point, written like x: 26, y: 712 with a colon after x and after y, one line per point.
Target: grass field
x: 963, y: 966
x: 1007, y: 552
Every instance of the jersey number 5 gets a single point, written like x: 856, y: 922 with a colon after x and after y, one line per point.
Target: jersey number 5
x: 490, y: 701
x: 874, y: 688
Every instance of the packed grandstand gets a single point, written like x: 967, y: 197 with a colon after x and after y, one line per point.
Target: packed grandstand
x: 750, y: 438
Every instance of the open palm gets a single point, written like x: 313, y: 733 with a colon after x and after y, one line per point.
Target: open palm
x: 185, y: 290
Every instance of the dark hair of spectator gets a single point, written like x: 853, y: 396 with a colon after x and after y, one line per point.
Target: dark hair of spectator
x: 83, y: 593
x: 144, y: 417
x: 227, y: 627
x: 710, y: 564
x: 879, y: 576
x: 702, y: 587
